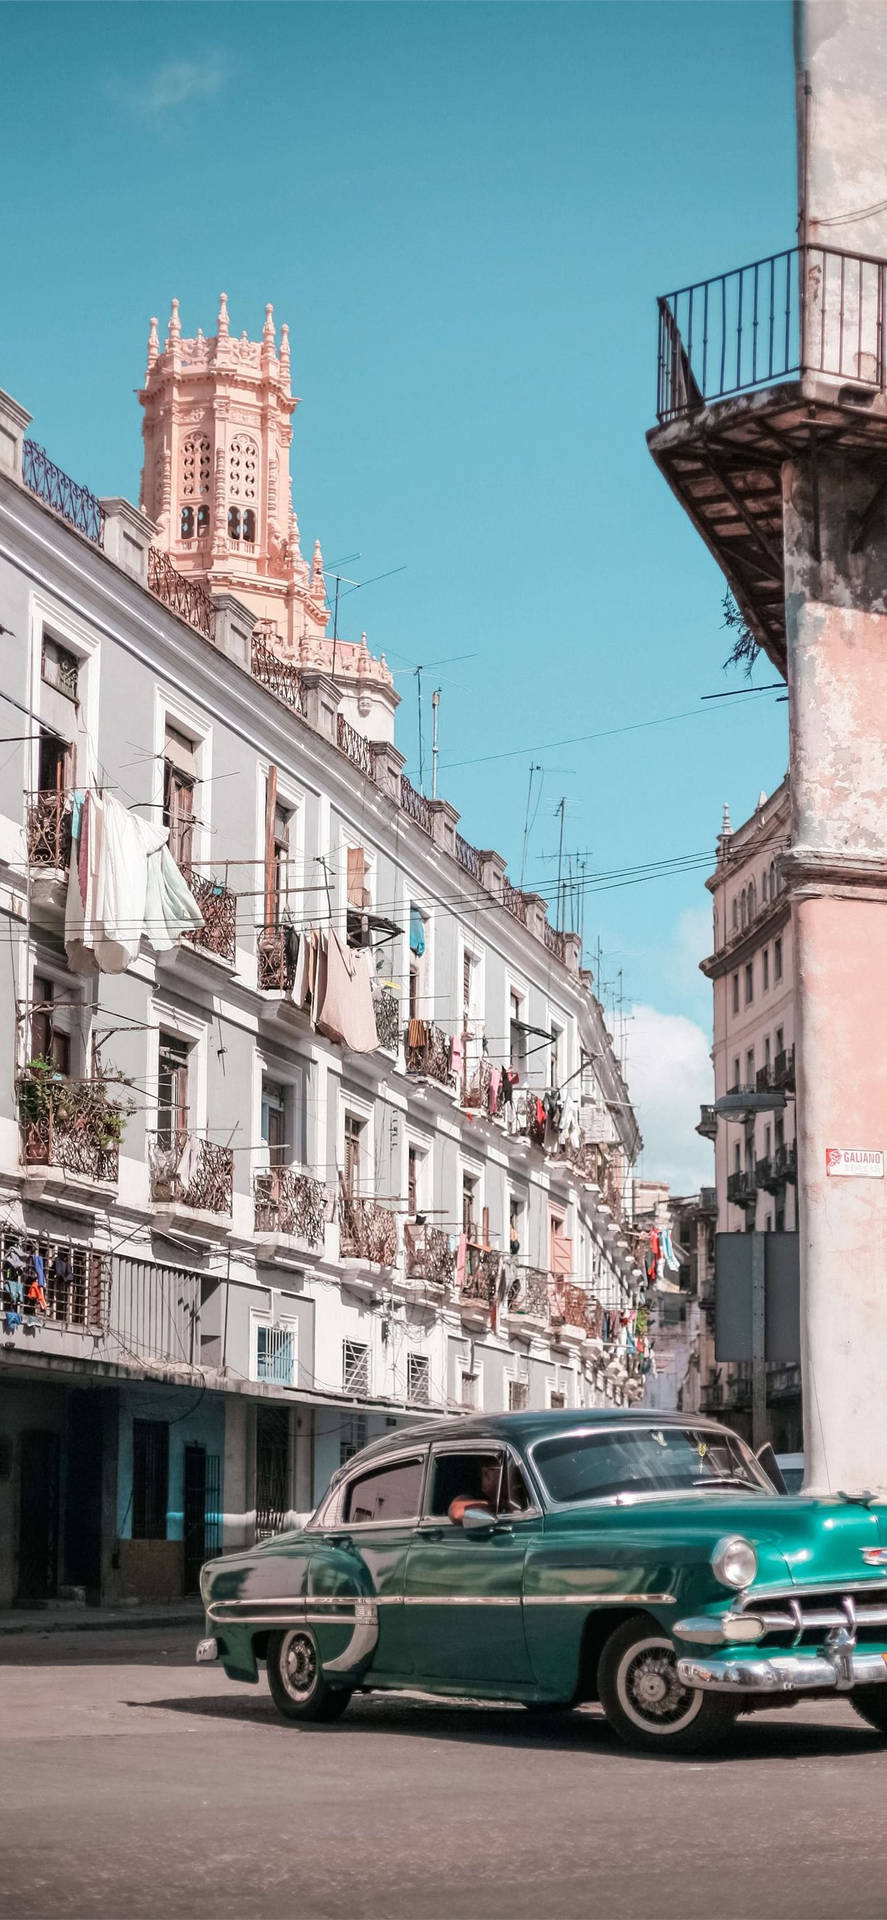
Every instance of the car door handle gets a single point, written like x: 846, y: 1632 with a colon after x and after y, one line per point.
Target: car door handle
x: 338, y: 1540
x: 432, y: 1533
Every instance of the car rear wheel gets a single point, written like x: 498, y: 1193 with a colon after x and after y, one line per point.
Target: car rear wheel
x: 645, y: 1702
x: 871, y: 1706
x: 298, y: 1688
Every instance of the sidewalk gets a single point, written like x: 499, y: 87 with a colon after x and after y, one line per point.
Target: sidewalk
x: 67, y: 1617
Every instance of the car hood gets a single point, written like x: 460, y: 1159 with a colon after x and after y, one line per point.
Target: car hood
x: 801, y: 1541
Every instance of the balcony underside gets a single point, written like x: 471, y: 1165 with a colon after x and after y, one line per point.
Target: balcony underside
x: 724, y: 460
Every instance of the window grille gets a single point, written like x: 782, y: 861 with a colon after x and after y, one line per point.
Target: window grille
x: 354, y: 1437
x: 276, y: 1355
x: 419, y: 1379
x: 195, y: 466
x: 60, y: 669
x: 518, y: 1395
x: 355, y: 1367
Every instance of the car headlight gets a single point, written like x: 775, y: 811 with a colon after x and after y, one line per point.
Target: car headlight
x: 734, y: 1562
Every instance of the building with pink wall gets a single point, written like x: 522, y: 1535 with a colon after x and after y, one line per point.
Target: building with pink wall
x: 752, y: 1119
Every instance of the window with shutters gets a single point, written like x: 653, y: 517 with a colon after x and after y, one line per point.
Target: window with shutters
x: 469, y: 1394
x: 518, y: 1395
x: 355, y: 1367
x: 561, y: 1248
x: 419, y: 1379
x: 179, y: 782
x: 172, y: 1090
x: 354, y: 1129
x: 49, y: 1040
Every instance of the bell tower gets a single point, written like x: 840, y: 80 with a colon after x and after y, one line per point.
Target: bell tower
x: 216, y: 481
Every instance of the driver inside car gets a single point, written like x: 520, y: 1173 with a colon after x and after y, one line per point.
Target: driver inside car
x: 511, y: 1499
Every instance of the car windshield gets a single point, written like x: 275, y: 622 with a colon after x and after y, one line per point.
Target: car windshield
x: 590, y: 1466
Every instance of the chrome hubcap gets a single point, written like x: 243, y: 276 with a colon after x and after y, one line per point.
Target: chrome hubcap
x: 298, y: 1665
x: 650, y: 1691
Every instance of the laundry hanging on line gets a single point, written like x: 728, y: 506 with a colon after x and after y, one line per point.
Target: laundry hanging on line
x: 123, y: 886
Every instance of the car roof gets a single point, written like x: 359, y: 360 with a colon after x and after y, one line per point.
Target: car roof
x: 523, y: 1429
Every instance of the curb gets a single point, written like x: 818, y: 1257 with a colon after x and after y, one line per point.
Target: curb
x: 125, y: 1624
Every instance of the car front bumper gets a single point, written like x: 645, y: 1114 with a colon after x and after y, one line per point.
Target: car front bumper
x: 840, y: 1668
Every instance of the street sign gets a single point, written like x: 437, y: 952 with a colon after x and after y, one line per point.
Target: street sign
x: 861, y: 1163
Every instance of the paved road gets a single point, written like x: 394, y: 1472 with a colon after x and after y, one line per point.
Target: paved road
x: 134, y: 1784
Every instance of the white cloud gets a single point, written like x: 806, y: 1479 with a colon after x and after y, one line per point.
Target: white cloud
x: 178, y: 83
x: 690, y: 941
x: 670, y: 1077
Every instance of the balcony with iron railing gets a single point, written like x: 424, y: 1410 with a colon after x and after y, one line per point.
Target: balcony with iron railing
x: 72, y: 502
x: 73, y: 1126
x: 367, y: 1231
x: 785, y: 1163
x: 707, y: 1124
x: 188, y: 1171
x: 428, y: 1256
x: 355, y: 745
x: 754, y: 367
x: 183, y: 596
x: 386, y: 1007
x: 48, y: 829
x: 218, y: 904
x: 742, y: 1188
x: 290, y: 1202
x: 784, y: 1069
x: 531, y: 1300
x: 427, y: 1052
x: 279, y: 676
x: 480, y: 1280
x: 277, y: 949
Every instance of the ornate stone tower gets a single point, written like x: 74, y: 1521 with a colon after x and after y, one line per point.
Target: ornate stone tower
x: 216, y: 481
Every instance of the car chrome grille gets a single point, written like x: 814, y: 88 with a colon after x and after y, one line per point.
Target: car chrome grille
x: 800, y: 1617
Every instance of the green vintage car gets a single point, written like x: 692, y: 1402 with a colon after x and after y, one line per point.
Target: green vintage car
x: 643, y: 1560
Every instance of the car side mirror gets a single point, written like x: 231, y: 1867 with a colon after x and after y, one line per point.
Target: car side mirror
x: 766, y: 1458
x: 478, y: 1522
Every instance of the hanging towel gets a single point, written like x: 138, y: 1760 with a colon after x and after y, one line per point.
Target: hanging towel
x: 417, y: 932
x: 346, y: 1012
x: 461, y: 1258
x: 456, y: 1056
x: 669, y: 1252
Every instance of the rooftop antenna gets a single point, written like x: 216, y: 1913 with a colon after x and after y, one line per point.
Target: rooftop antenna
x: 560, y: 808
x: 435, y: 710
x: 534, y: 768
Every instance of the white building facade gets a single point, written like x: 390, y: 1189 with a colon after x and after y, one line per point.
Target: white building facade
x: 235, y: 1245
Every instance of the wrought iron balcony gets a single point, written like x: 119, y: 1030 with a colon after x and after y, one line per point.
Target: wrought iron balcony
x: 386, y: 1007
x: 218, y: 905
x: 276, y: 953
x: 57, y: 490
x: 785, y: 1162
x: 481, y: 1278
x: 355, y: 745
x: 470, y: 859
x: 741, y: 1189
x: 190, y: 1172
x: 279, y: 676
x: 416, y: 805
x: 784, y: 1069
x: 808, y: 310
x: 287, y: 1201
x: 430, y: 1054
x: 428, y: 1255
x: 49, y: 829
x: 72, y: 1125
x: 367, y: 1231
x: 188, y: 598
x: 531, y: 1297
x: 708, y: 1123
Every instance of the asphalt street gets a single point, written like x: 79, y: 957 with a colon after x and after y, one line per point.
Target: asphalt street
x: 133, y: 1783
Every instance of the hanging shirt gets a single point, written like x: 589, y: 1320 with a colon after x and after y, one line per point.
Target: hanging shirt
x: 347, y: 1013
x: 417, y: 932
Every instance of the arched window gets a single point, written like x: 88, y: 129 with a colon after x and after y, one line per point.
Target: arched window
x: 735, y: 911
x: 234, y: 523
x: 187, y: 523
x: 764, y: 887
x: 743, y: 908
x: 249, y: 524
x: 202, y: 521
x: 752, y: 901
x: 195, y: 467
x: 774, y: 887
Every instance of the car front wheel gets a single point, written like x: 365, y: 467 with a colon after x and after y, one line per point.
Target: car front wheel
x: 645, y: 1702
x: 298, y: 1688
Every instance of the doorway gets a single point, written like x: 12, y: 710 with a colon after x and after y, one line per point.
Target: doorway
x: 272, y: 1470
x: 201, y: 1511
x: 38, y: 1549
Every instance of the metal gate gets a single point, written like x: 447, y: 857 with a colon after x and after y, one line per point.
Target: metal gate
x: 272, y: 1470
x: 202, y: 1512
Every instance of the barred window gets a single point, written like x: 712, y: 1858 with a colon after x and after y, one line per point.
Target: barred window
x: 355, y: 1367
x: 419, y: 1378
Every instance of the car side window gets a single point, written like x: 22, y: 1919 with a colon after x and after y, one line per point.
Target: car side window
x: 472, y: 1478
x: 515, y: 1495
x: 387, y: 1492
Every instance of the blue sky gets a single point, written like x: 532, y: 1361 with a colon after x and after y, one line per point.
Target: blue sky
x: 465, y: 213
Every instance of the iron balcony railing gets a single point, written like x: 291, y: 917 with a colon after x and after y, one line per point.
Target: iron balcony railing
x: 218, y: 905
x: 69, y: 1124
x: 428, y: 1255
x: 276, y: 953
x: 416, y: 805
x: 386, y: 1008
x: 784, y: 1069
x: 65, y: 496
x: 470, y: 859
x: 355, y: 745
x: 188, y: 598
x: 741, y: 1189
x: 287, y: 1201
x: 367, y: 1231
x: 807, y: 310
x: 191, y: 1172
x: 279, y: 676
x: 427, y: 1050
x: 49, y: 829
